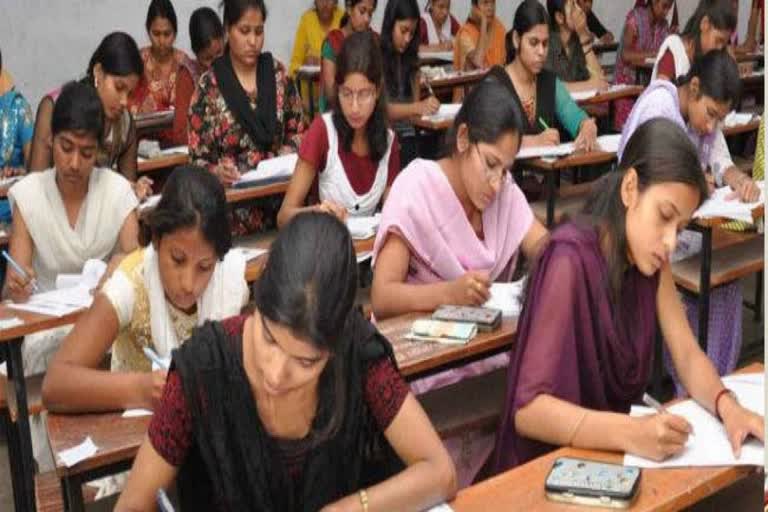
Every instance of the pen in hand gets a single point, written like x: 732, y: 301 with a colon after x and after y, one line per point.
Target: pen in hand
x: 656, y: 405
x: 17, y: 268
x: 152, y: 355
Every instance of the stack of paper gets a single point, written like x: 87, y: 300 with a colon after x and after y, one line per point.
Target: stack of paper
x: 709, y: 444
x: 446, y: 112
x: 607, y: 143
x: 591, y: 93
x: 507, y: 297
x: 176, y: 150
x: 363, y: 228
x: 718, y: 205
x: 273, y: 169
x: 73, y: 294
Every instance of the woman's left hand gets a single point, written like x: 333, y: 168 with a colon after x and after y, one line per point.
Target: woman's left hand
x: 740, y: 423
x: 587, y: 138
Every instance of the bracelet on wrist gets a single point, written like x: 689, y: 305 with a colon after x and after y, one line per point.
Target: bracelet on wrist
x: 721, y: 394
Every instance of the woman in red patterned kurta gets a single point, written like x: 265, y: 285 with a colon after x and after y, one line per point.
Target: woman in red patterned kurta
x: 246, y: 109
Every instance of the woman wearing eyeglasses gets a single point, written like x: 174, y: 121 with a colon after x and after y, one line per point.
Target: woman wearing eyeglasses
x: 452, y: 227
x: 349, y: 157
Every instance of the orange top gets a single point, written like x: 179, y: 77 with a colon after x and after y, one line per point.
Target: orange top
x: 467, y: 39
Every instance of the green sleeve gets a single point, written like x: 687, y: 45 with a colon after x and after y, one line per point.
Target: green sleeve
x: 568, y: 112
x: 326, y: 52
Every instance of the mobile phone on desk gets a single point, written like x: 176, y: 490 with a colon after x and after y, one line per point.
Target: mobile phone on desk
x: 592, y: 483
x: 487, y: 319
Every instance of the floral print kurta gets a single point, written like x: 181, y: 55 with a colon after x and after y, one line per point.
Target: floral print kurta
x: 215, y: 135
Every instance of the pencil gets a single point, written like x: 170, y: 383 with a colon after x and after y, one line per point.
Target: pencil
x: 543, y: 124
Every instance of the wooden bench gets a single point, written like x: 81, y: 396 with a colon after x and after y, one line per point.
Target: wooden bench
x: 470, y: 405
x: 738, y: 255
x: 34, y: 395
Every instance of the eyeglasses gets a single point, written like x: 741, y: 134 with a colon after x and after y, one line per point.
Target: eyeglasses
x: 493, y: 176
x: 363, y: 96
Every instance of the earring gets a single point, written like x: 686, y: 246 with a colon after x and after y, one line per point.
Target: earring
x: 96, y: 81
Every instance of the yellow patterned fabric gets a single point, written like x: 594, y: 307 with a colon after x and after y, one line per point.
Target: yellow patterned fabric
x: 758, y: 174
x: 127, y: 354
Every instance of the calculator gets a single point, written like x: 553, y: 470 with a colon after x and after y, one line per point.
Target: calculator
x: 587, y: 482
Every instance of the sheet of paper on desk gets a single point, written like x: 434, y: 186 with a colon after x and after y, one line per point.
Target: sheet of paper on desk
x: 738, y: 118
x: 446, y: 112
x: 583, y: 95
x: 9, y: 323
x: 278, y: 167
x: 251, y: 253
x: 136, y: 413
x: 363, y: 228
x: 444, y: 56
x: 545, y: 151
x: 57, y: 302
x: 719, y: 206
x: 149, y: 203
x: 78, y: 453
x: 441, y: 508
x: 709, y: 445
x: 507, y: 297
x: 93, y: 271
x: 309, y: 69
x: 609, y: 143
x: 176, y: 150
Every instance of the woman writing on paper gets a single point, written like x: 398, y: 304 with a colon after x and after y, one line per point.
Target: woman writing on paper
x: 69, y: 214
x: 699, y: 103
x: 184, y: 275
x: 543, y: 98
x: 585, y: 339
x: 114, y: 70
x: 452, y: 227
x: 348, y: 158
x: 300, y: 406
x: 245, y: 110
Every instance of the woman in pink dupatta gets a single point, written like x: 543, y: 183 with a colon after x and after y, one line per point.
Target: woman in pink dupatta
x: 645, y: 29
x: 586, y: 334
x: 450, y: 228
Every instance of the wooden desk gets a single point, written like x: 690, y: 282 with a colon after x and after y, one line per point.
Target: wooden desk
x: 610, y: 97
x: 117, y: 438
x: 458, y: 79
x: 154, y: 122
x: 600, y: 48
x: 418, y: 359
x: 163, y: 162
x: 237, y: 195
x: 522, y: 488
x: 552, y: 167
x: 19, y: 439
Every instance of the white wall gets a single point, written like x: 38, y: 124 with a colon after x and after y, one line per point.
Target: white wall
x: 46, y: 42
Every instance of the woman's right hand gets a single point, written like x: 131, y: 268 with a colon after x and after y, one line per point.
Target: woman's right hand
x: 660, y: 436
x: 154, y: 384
x: 549, y: 137
x: 428, y: 106
x: 227, y: 172
x: 19, y: 288
x: 471, y: 289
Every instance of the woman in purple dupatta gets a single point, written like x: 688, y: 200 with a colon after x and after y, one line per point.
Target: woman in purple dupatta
x: 645, y: 29
x: 698, y: 103
x: 451, y: 227
x: 585, y: 338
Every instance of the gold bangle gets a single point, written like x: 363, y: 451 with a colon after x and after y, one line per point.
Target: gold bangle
x: 363, y: 499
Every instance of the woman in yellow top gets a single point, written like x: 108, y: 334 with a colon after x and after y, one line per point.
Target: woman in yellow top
x: 480, y: 43
x: 314, y: 26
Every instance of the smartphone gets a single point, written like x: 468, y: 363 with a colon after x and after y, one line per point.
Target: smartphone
x: 592, y: 483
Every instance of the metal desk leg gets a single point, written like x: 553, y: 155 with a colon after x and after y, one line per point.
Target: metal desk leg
x: 26, y: 464
x: 704, y: 282
x: 550, y: 188
x: 311, y: 88
x: 72, y: 492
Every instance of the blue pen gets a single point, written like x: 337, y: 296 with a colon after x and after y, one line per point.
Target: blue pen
x: 17, y: 268
x: 152, y: 355
x: 163, y: 502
